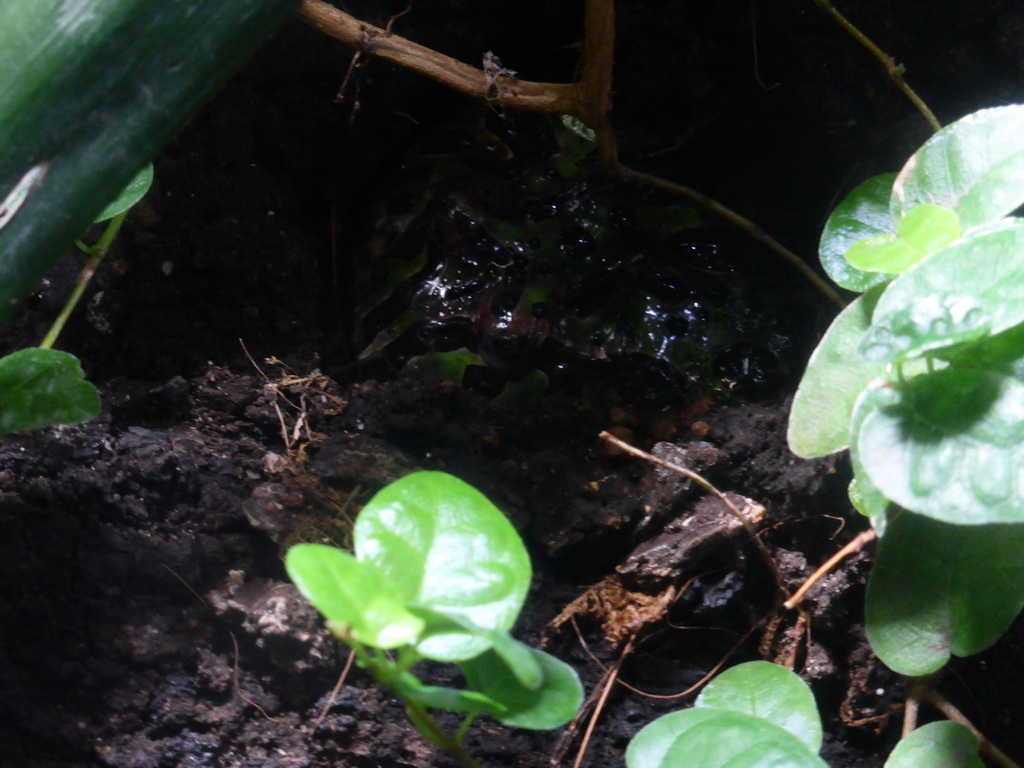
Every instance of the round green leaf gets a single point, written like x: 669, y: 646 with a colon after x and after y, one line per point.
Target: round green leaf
x: 922, y: 231
x: 929, y: 227
x: 888, y: 254
x: 355, y: 598
x: 950, y: 446
x: 974, y: 166
x: 862, y: 214
x: 130, y: 195
x: 961, y: 293
x: 551, y: 703
x: 436, y: 697
x: 446, y: 547
x: 769, y: 692
x: 864, y: 494
x: 713, y: 738
x: 938, y: 589
x: 41, y: 387
x: 937, y: 745
x: 819, y: 422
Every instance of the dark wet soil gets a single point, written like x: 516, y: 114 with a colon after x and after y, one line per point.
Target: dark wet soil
x: 145, y: 618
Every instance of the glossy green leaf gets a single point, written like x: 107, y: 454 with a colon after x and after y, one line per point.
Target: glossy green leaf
x: 974, y: 166
x: 42, y: 387
x: 410, y: 688
x: 819, y: 422
x: 769, y: 692
x: 515, y: 654
x: 713, y: 738
x: 445, y: 546
x: 548, y: 705
x: 962, y: 293
x: 92, y: 89
x: 938, y: 589
x: 1002, y: 352
x: 888, y: 254
x: 355, y: 598
x: 950, y: 446
x: 130, y: 195
x: 929, y: 228
x: 937, y: 745
x: 863, y: 213
x: 864, y: 494
x: 924, y: 230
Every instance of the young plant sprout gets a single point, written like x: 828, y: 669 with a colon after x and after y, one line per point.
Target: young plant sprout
x: 439, y: 573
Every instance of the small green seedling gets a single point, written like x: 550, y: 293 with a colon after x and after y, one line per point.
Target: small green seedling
x: 438, y: 573
x: 922, y: 378
x: 754, y: 715
x: 42, y: 386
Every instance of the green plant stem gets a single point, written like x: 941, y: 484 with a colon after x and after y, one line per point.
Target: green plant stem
x: 385, y: 672
x: 96, y: 255
x: 428, y: 726
x: 894, y: 70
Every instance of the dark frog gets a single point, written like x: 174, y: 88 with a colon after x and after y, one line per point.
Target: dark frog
x: 547, y: 260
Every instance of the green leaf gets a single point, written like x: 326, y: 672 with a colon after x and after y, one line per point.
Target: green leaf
x: 819, y: 422
x: 446, y: 547
x: 862, y: 214
x: 355, y: 598
x: 864, y: 494
x: 579, y: 128
x: 515, y: 654
x: 42, y: 387
x: 888, y: 254
x: 1001, y: 351
x: 974, y: 166
x: 444, y: 366
x: 937, y: 745
x: 769, y: 692
x: 130, y: 195
x: 950, y: 446
x: 924, y: 230
x: 410, y: 688
x: 929, y: 228
x: 713, y: 738
x: 970, y: 289
x: 92, y: 89
x: 869, y: 501
x: 542, y: 707
x: 938, y: 589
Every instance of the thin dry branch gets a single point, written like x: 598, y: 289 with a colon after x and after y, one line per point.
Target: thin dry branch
x: 471, y: 81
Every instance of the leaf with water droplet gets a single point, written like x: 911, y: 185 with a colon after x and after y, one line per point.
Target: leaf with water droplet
x: 962, y: 293
x: 949, y: 446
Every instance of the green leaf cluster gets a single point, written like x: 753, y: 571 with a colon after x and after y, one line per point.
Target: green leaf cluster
x: 755, y: 715
x: 922, y: 378
x: 761, y: 715
x: 438, y: 572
